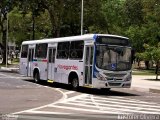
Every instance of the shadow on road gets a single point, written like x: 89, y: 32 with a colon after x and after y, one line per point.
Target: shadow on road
x: 93, y: 91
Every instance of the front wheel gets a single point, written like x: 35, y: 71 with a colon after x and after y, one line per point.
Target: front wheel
x: 75, y: 83
x: 36, y: 77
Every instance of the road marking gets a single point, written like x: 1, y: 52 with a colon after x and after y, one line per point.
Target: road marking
x: 69, y: 92
x: 113, y: 107
x: 95, y: 104
x: 129, y: 100
x: 121, y: 103
x: 87, y: 110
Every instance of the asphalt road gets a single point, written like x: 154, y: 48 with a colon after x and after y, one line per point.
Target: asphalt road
x: 30, y: 101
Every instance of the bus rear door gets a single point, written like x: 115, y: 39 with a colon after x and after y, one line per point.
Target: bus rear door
x: 51, y: 63
x: 24, y: 60
x: 30, y: 60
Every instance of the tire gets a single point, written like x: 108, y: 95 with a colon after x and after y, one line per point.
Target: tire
x: 75, y: 83
x: 36, y: 77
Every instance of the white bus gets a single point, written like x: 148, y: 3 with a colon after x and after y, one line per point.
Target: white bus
x: 91, y: 60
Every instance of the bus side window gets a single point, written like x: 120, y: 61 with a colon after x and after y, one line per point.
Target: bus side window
x: 41, y: 50
x: 63, y: 50
x: 76, y: 49
x: 24, y: 51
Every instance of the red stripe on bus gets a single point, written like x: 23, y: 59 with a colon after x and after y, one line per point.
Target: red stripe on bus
x: 44, y: 60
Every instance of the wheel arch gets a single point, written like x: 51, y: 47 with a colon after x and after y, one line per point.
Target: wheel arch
x: 72, y: 75
x: 35, y: 71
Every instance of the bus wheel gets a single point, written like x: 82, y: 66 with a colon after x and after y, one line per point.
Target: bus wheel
x: 36, y: 77
x: 75, y: 83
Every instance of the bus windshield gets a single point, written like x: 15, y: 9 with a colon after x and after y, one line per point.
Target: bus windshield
x: 113, y: 58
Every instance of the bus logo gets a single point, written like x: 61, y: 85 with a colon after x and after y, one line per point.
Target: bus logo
x: 113, y: 66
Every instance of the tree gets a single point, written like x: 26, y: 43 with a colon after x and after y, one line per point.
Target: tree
x: 5, y: 7
x: 152, y: 53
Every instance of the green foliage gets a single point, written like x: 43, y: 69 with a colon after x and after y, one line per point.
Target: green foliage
x: 137, y: 19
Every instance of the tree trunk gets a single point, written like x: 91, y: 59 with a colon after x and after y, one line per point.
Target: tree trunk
x: 157, y: 67
x: 4, y: 35
x: 4, y: 38
x: 147, y: 65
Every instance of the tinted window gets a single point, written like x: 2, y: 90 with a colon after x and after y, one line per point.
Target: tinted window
x: 41, y: 50
x: 24, y: 51
x: 63, y: 50
x: 76, y: 50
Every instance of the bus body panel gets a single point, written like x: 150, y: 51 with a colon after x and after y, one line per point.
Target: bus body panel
x: 23, y: 66
x: 87, y: 71
x: 65, y: 68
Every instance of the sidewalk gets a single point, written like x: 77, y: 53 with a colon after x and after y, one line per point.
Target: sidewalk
x: 145, y: 83
x: 10, y: 68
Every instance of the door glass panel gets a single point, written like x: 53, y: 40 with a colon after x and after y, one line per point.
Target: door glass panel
x: 87, y: 55
x: 53, y: 56
x: 91, y: 55
x: 88, y: 65
x: 30, y: 57
x: 50, y: 55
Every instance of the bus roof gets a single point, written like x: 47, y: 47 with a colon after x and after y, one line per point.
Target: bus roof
x: 71, y: 38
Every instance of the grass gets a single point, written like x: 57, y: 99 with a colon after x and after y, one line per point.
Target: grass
x: 143, y: 71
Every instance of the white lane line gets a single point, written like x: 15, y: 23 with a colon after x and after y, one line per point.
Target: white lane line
x: 122, y: 109
x: 69, y: 92
x: 33, y: 109
x: 74, y: 98
x: 86, y: 110
x: 122, y: 103
x: 104, y: 106
x: 95, y: 103
x: 127, y: 100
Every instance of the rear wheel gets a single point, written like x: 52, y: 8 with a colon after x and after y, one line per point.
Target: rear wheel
x: 36, y: 77
x: 75, y: 83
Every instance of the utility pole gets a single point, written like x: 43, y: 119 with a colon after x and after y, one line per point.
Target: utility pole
x: 7, y: 41
x: 82, y: 18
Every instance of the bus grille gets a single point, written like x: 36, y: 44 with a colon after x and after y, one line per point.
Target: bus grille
x: 114, y: 75
x: 114, y: 84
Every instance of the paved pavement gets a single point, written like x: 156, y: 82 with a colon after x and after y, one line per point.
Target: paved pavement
x: 145, y: 83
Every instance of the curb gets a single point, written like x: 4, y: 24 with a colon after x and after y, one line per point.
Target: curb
x: 151, y: 90
x: 14, y: 70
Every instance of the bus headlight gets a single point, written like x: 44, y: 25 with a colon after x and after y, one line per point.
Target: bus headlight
x: 100, y: 77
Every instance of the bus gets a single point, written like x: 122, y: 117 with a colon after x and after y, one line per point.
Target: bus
x: 90, y: 60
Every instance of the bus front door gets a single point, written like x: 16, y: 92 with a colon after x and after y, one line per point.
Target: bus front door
x: 88, y: 65
x: 51, y: 63
x: 30, y: 61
